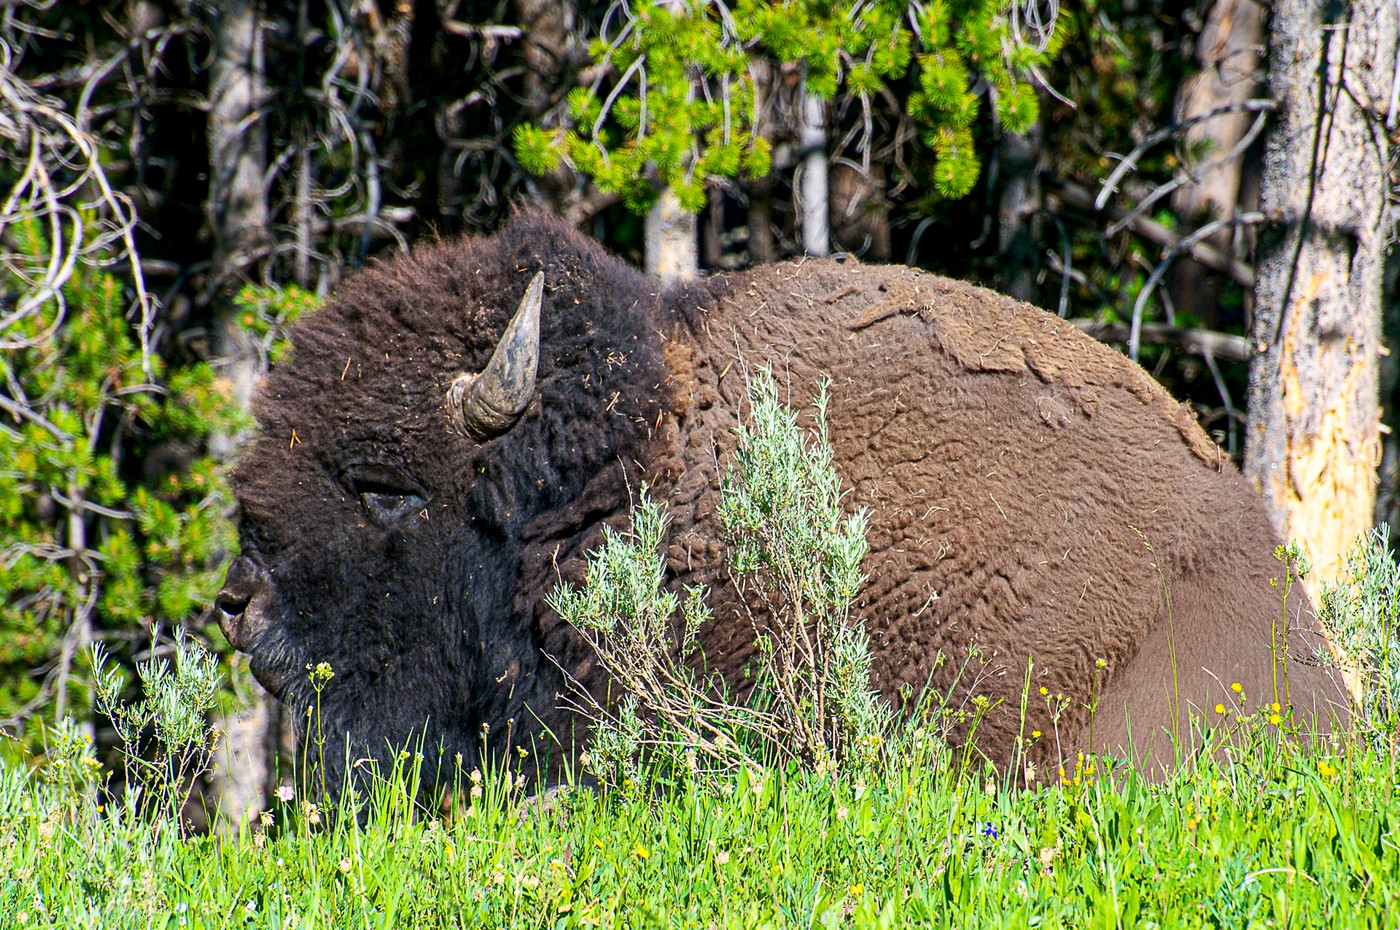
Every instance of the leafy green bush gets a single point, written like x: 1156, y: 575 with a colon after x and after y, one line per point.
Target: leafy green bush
x: 112, y: 524
x: 797, y: 558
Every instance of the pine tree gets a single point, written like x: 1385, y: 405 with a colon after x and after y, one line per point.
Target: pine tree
x: 109, y: 527
x: 680, y: 111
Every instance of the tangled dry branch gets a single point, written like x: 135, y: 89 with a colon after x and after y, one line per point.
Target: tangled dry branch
x: 62, y: 186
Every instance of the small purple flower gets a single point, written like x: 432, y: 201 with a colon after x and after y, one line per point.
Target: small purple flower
x: 989, y: 830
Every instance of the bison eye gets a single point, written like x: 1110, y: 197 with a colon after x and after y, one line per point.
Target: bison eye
x: 387, y: 494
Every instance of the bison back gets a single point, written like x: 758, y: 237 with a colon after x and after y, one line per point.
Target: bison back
x: 1037, y: 502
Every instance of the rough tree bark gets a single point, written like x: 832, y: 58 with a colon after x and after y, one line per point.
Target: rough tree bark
x: 1229, y: 52
x: 238, y: 218
x: 553, y: 52
x: 1312, y: 444
x: 1017, y: 209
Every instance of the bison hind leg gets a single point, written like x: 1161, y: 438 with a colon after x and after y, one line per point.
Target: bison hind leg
x: 1221, y: 633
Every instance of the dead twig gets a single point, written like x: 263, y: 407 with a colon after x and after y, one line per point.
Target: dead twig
x: 1080, y: 198
x: 1202, y: 342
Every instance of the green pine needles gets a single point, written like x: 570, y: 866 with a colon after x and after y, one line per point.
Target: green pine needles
x: 109, y: 524
x: 796, y: 559
x: 683, y: 107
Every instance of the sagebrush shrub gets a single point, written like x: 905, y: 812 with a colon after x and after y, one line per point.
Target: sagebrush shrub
x: 795, y: 557
x: 1362, y: 613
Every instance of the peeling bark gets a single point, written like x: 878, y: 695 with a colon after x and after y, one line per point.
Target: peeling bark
x: 1313, y: 442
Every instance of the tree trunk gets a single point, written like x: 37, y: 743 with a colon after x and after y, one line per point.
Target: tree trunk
x: 237, y: 160
x: 238, y: 220
x: 816, y: 216
x: 762, y: 244
x: 712, y: 230
x: 1388, y: 496
x: 1229, y: 54
x: 671, y: 245
x: 553, y: 52
x: 1312, y: 445
x: 1017, y: 209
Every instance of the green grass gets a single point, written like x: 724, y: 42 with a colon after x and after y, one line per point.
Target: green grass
x: 1278, y: 838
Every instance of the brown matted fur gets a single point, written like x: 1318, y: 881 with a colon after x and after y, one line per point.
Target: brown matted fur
x: 1031, y: 492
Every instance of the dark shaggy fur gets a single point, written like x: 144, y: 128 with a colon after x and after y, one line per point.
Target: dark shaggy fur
x: 1031, y: 491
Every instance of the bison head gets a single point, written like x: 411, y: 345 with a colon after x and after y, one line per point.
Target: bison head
x: 440, y: 432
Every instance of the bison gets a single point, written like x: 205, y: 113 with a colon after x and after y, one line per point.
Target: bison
x: 451, y: 433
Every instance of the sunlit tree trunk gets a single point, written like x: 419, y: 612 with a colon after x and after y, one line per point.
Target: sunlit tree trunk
x: 1312, y: 445
x: 816, y: 206
x: 672, y: 247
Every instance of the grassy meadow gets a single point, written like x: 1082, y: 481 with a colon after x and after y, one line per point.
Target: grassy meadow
x: 1274, y: 837
x: 824, y: 811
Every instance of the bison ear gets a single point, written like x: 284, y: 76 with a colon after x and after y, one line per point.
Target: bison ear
x: 485, y: 405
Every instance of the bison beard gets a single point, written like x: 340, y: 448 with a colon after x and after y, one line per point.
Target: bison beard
x: 1032, y: 494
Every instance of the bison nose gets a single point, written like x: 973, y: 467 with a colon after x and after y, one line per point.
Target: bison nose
x: 231, y: 603
x: 246, y: 589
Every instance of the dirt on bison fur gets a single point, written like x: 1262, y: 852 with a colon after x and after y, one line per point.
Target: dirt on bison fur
x: 1032, y: 494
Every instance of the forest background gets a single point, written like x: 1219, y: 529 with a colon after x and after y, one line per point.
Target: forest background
x: 1210, y: 185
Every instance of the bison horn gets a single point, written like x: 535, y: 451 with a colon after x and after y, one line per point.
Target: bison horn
x: 487, y: 404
